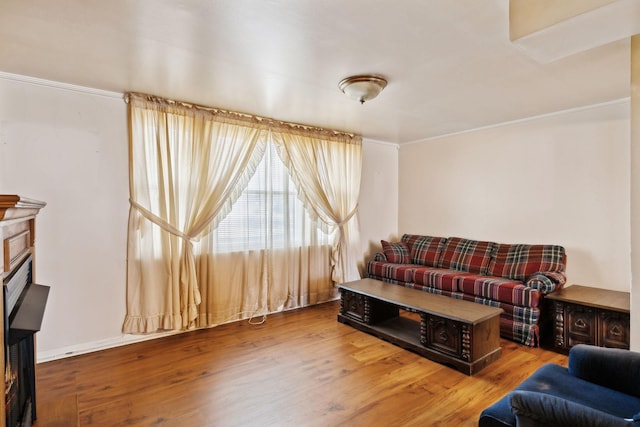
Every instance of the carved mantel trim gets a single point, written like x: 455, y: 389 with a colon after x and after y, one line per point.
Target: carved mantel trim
x: 13, y: 206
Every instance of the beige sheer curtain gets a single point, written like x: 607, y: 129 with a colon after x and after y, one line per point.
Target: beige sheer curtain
x: 267, y: 255
x: 195, y: 259
x: 326, y: 168
x: 187, y: 166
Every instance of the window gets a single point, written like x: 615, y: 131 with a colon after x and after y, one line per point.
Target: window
x: 268, y: 214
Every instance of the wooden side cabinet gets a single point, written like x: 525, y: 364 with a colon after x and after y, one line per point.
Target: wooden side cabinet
x: 586, y: 315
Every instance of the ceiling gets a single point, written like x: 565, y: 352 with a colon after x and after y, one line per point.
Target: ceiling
x: 450, y: 64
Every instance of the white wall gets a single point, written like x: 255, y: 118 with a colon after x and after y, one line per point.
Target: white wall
x: 560, y: 179
x: 69, y: 149
x: 378, y: 205
x: 67, y: 146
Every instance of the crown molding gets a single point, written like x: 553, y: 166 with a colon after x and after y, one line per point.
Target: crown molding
x: 58, y: 85
x: 624, y: 100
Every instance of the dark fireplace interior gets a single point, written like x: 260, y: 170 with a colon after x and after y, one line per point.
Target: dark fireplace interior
x: 20, y: 384
x: 24, y: 302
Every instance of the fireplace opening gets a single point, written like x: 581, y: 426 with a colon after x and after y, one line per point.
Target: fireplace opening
x: 20, y: 384
x: 24, y: 304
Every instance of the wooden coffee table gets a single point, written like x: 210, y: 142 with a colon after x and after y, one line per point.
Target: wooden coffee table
x: 461, y: 334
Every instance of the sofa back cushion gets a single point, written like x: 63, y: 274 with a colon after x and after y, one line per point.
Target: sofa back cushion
x: 396, y: 252
x: 425, y: 250
x: 521, y: 261
x: 467, y: 255
x: 410, y: 239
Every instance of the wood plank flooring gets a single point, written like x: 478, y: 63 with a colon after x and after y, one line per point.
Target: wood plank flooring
x: 299, y: 368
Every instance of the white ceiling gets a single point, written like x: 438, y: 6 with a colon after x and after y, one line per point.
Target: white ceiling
x: 450, y: 64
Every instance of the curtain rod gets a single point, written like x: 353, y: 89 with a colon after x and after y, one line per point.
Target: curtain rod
x: 263, y: 120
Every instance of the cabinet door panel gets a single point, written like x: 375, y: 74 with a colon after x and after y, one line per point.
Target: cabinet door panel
x: 444, y: 335
x: 580, y: 325
x: 352, y: 305
x: 614, y: 329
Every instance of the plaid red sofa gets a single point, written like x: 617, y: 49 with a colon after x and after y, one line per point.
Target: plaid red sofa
x: 514, y: 277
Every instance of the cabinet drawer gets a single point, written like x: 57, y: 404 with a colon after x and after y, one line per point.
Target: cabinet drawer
x: 442, y: 334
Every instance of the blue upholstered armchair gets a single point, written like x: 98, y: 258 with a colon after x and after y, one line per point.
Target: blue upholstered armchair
x: 600, y: 387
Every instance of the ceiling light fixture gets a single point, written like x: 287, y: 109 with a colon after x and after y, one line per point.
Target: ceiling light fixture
x: 363, y: 87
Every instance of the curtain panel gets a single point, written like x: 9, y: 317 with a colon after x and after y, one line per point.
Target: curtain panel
x: 327, y: 170
x: 188, y: 166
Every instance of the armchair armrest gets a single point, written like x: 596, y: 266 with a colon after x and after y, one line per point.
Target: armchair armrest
x: 534, y: 409
x: 613, y: 368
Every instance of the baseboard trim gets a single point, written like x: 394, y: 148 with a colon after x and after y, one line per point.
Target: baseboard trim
x: 126, y: 339
x: 92, y: 346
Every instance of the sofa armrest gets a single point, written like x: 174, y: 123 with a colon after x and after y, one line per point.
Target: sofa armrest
x: 613, y: 368
x: 534, y: 409
x: 546, y: 281
x: 380, y: 257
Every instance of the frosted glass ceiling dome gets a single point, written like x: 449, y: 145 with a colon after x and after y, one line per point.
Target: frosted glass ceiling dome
x: 362, y: 87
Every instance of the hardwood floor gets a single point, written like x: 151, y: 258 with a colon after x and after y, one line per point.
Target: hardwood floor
x: 299, y: 368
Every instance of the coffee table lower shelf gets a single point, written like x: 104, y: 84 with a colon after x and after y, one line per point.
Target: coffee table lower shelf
x: 401, y: 332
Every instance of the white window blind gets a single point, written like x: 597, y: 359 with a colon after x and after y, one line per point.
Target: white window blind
x: 268, y: 214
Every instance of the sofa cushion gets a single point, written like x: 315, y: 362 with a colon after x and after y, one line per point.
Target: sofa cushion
x: 425, y: 250
x: 521, y: 261
x: 388, y: 270
x: 396, y: 252
x: 410, y: 239
x: 472, y: 256
x: 439, y: 278
x: 500, y: 289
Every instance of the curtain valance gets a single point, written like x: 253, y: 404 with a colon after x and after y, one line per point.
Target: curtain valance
x: 152, y: 102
